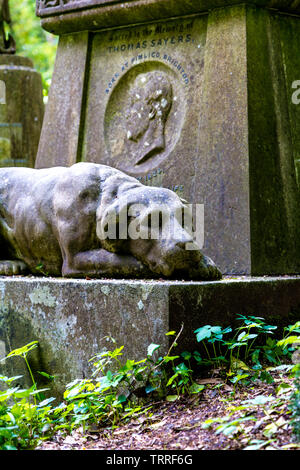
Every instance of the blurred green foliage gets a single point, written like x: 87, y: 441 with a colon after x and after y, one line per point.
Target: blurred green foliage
x: 32, y: 41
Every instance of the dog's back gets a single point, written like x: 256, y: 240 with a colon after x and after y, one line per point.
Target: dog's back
x: 25, y: 198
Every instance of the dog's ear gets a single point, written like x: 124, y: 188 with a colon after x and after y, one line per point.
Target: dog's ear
x: 112, y: 212
x: 183, y: 200
x: 115, y: 186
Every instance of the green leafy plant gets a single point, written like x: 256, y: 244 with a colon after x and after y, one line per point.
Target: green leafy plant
x: 110, y: 395
x: 244, y: 343
x: 213, y: 335
x: 247, y: 336
x: 279, y: 411
x: 291, y: 339
x: 23, y: 352
x: 152, y: 376
x: 24, y: 416
x: 120, y: 389
x: 291, y: 343
x: 244, y: 355
x: 265, y: 412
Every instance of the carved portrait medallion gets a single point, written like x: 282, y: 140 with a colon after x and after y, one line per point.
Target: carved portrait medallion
x: 144, y: 117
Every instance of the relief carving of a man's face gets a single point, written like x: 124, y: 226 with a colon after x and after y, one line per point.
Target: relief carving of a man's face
x: 146, y: 116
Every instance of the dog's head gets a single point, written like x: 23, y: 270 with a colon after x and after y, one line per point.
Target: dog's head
x: 150, y: 223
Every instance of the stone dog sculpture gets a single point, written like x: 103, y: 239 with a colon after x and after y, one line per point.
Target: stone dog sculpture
x: 56, y: 218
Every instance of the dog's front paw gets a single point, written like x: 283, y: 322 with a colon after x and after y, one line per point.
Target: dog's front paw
x: 12, y: 268
x: 206, y: 270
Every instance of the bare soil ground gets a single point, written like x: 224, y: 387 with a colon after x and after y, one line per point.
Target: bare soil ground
x: 178, y: 425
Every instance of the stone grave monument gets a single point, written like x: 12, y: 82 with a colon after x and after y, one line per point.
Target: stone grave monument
x: 21, y: 101
x: 192, y: 95
x: 195, y: 96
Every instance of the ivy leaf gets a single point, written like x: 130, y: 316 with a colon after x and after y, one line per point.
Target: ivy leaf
x: 270, y: 429
x: 24, y: 350
x: 172, y: 397
x: 202, y: 333
x: 122, y: 398
x: 196, y: 388
x: 152, y: 348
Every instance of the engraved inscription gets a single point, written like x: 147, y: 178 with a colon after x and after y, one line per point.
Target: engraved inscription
x: 161, y: 42
x: 53, y: 3
x: 155, y: 178
x: 141, y: 57
x: 151, y: 43
x: 158, y: 29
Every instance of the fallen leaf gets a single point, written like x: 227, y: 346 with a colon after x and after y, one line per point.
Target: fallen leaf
x: 280, y: 422
x: 209, y: 381
x: 121, y: 431
x: 158, y: 425
x: 70, y: 440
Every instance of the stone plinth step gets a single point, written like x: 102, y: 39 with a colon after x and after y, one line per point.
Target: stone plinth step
x: 71, y: 318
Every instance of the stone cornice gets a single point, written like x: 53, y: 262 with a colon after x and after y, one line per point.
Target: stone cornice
x: 66, y: 16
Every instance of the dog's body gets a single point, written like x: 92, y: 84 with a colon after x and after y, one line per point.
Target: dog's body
x: 55, y: 218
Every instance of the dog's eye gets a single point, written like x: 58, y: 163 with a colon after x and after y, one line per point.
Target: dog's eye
x: 91, y: 193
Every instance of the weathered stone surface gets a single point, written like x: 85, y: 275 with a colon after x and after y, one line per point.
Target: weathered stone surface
x: 120, y: 127
x: 229, y: 138
x: 71, y: 318
x: 222, y: 162
x: 217, y: 303
x: 245, y: 168
x: 274, y: 195
x: 21, y: 111
x: 93, y: 220
x: 61, y: 127
x: 82, y: 15
x: 288, y: 33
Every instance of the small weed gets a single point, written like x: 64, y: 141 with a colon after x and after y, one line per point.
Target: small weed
x: 24, y: 416
x: 280, y: 411
x: 110, y: 396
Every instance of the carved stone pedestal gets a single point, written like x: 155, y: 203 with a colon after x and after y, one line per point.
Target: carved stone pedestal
x: 223, y: 129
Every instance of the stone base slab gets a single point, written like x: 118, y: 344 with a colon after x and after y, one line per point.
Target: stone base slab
x: 72, y: 318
